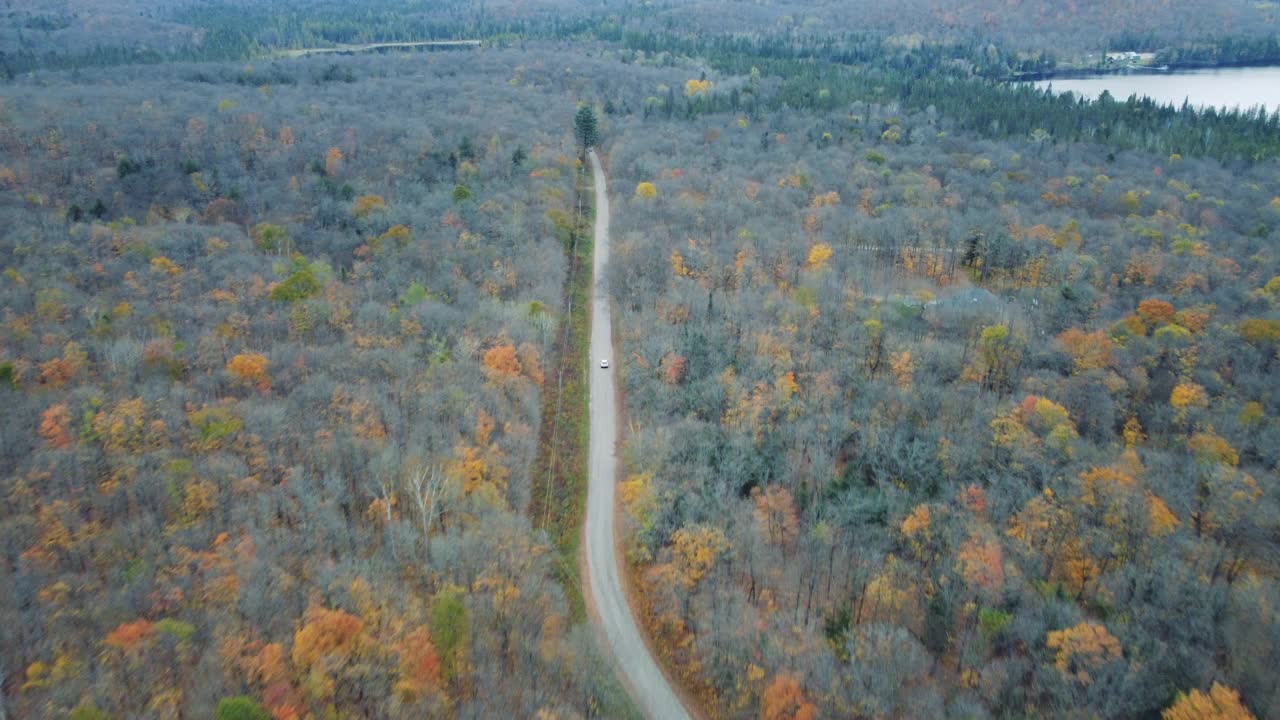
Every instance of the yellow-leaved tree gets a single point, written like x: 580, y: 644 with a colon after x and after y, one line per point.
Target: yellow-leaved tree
x: 1220, y: 703
x: 1083, y: 649
x: 1186, y: 396
x: 367, y: 204
x: 819, y: 254
x: 695, y: 550
x: 697, y: 87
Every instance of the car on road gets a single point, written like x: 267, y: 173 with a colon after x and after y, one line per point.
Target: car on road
x: 604, y: 363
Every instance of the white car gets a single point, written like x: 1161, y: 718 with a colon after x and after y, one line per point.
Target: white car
x: 604, y: 363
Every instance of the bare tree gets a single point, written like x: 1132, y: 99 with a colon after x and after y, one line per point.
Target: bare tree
x: 426, y: 487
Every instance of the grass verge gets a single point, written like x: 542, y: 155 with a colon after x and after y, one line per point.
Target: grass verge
x: 560, y: 468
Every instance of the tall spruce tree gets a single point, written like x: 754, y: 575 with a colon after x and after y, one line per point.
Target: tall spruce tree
x: 584, y: 127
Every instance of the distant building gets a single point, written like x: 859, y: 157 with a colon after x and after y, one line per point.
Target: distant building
x: 1130, y: 56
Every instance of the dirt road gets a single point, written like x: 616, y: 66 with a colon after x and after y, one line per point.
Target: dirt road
x: 652, y: 692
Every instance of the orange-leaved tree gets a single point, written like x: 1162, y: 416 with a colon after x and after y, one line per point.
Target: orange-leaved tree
x: 326, y: 633
x: 53, y: 425
x: 1155, y: 312
x: 1088, y: 350
x: 980, y: 561
x: 251, y: 369
x: 502, y: 361
x: 333, y: 162
x: 673, y: 368
x: 784, y: 700
x: 131, y: 635
x: 903, y: 367
x: 419, y: 664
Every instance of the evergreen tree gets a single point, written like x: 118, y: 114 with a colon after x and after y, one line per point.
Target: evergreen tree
x: 584, y: 127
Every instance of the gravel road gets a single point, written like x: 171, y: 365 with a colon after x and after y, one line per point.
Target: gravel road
x: 639, y: 672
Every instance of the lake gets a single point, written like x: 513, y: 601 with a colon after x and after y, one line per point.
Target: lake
x: 1241, y: 87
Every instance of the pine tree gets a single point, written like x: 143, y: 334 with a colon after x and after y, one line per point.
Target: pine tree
x: 584, y: 127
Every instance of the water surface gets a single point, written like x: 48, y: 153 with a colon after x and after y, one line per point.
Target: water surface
x: 1242, y: 87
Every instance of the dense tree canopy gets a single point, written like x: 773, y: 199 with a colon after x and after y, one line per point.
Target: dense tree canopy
x: 971, y: 421
x: 270, y: 413
x: 944, y: 396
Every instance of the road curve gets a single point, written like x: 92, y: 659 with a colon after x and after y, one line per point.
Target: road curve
x: 639, y: 672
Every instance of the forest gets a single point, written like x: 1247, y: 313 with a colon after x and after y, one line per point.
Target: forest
x: 942, y: 396
x: 948, y: 427
x: 271, y: 371
x: 1035, y: 34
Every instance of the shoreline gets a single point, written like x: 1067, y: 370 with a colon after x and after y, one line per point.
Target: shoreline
x: 1085, y: 73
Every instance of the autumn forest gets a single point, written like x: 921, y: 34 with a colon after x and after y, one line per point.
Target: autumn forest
x: 939, y: 396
